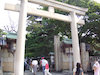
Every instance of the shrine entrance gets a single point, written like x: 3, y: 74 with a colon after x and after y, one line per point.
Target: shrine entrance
x: 24, y: 8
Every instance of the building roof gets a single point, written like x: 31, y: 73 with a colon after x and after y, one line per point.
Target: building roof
x: 67, y: 41
x: 11, y: 36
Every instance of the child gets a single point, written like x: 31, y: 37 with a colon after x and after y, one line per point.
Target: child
x: 47, y: 69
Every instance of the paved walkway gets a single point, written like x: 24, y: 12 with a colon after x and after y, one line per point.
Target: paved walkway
x: 40, y: 73
x: 27, y: 72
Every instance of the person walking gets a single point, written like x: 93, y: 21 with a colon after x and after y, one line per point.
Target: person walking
x: 43, y: 64
x: 96, y: 68
x: 34, y: 66
x: 47, y: 69
x: 52, y: 62
x: 78, y: 70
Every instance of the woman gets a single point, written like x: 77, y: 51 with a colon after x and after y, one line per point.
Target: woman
x: 78, y: 70
x: 96, y: 68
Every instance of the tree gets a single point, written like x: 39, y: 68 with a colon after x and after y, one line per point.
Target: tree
x: 10, y: 27
x: 38, y: 43
x: 2, y: 33
x: 91, y: 28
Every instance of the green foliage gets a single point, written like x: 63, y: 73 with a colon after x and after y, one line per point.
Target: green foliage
x: 38, y: 42
x: 80, y: 3
x: 2, y: 33
x: 91, y: 28
x: 55, y: 27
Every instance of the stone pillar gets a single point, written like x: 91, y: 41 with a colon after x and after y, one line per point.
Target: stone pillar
x: 51, y: 9
x: 84, y: 57
x: 1, y: 63
x: 58, y: 57
x: 19, y: 54
x: 75, y: 40
x: 7, y: 61
x: 1, y: 69
x: 70, y: 60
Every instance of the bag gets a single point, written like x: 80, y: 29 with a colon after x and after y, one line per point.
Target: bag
x: 32, y: 70
x: 47, y: 66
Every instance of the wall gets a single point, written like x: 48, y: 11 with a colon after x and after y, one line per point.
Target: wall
x: 8, y: 65
x: 1, y: 72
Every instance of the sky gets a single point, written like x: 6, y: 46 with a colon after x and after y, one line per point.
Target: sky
x: 7, y: 17
x: 97, y: 1
x: 10, y: 17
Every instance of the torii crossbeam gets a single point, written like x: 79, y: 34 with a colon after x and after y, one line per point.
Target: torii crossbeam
x: 24, y: 9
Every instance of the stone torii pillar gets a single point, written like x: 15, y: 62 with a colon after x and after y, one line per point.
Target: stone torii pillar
x: 75, y: 40
x: 25, y: 9
x: 20, y: 49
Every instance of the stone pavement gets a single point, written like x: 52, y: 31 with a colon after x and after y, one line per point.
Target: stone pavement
x: 27, y: 72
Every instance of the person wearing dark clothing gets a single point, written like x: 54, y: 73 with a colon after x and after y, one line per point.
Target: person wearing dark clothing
x: 78, y: 70
x: 24, y: 66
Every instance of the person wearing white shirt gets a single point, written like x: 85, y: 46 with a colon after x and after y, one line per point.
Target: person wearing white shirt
x: 34, y: 66
x: 43, y: 62
x: 96, y: 68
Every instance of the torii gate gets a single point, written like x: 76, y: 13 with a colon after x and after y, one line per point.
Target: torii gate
x: 24, y: 9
